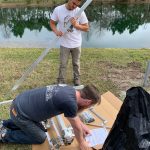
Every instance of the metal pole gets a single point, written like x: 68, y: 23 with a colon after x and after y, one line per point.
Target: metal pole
x: 59, y: 139
x: 49, y: 141
x: 52, y: 123
x: 32, y: 67
x: 6, y: 102
x: 98, y: 116
x: 147, y: 74
x: 67, y: 132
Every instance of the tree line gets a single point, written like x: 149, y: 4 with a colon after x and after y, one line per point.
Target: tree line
x: 114, y: 17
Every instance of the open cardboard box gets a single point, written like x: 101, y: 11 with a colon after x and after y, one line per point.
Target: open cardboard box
x: 108, y: 109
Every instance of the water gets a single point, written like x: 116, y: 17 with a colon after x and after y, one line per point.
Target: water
x: 105, y: 38
x: 111, y: 26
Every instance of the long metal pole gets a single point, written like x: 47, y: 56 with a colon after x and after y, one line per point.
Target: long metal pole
x: 147, y: 74
x: 49, y: 141
x: 6, y: 102
x: 67, y: 132
x: 32, y: 67
x: 98, y: 116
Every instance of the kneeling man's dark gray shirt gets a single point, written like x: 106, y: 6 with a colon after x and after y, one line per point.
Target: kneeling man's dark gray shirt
x: 43, y: 103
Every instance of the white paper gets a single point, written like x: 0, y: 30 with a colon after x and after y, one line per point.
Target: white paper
x: 97, y: 136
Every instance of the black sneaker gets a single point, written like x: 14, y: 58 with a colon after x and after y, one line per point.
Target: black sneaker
x: 61, y: 82
x: 3, y: 131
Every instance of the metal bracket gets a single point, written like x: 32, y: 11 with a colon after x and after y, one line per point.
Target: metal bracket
x: 86, y: 117
x: 98, y: 116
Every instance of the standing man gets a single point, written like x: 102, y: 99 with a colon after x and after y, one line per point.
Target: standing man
x: 33, y: 106
x: 70, y: 42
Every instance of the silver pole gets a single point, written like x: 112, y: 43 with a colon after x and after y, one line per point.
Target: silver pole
x: 147, y: 74
x: 6, y: 102
x: 67, y: 132
x: 49, y: 141
x: 52, y: 123
x: 33, y: 66
x: 59, y: 139
x: 98, y: 116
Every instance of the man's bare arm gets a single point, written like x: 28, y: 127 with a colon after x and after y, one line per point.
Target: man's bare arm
x: 76, y: 124
x: 82, y: 27
x: 54, y: 28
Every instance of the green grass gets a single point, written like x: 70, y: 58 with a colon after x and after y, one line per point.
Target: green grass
x: 94, y: 63
x: 95, y: 68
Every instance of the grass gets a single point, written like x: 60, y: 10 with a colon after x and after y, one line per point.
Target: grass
x: 95, y: 67
x: 13, y: 63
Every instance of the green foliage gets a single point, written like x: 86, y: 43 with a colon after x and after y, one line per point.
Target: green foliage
x: 114, y: 17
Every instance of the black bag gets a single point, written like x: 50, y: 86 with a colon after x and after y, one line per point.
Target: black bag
x: 131, y: 129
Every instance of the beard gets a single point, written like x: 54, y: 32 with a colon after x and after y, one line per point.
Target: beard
x: 81, y: 108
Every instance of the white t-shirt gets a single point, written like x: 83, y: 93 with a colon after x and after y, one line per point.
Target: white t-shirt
x: 62, y: 15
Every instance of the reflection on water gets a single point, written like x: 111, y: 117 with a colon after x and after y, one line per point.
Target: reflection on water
x: 111, y: 25
x: 105, y: 38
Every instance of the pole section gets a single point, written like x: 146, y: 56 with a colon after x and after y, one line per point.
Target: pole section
x: 33, y: 66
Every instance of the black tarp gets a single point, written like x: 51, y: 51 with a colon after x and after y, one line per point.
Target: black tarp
x: 131, y: 129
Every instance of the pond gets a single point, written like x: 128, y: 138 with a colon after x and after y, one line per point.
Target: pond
x: 111, y: 26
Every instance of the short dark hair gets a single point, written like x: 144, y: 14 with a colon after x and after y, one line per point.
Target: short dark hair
x: 91, y: 92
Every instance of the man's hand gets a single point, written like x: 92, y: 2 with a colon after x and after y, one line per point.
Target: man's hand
x: 85, y: 129
x: 84, y: 146
x: 78, y: 26
x: 74, y: 22
x: 58, y: 33
x: 80, y: 131
x: 54, y: 28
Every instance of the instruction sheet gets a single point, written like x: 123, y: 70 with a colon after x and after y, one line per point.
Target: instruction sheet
x: 97, y: 136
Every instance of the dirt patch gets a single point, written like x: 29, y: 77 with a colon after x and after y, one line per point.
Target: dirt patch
x: 134, y: 65
x: 124, y: 77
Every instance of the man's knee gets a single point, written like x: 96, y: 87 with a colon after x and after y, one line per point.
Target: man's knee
x: 40, y: 140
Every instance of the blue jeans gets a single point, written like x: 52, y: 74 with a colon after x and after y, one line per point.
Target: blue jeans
x: 25, y: 132
x: 10, y: 124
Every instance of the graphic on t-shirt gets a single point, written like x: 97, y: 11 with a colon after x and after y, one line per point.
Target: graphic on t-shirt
x: 51, y: 91
x: 66, y: 21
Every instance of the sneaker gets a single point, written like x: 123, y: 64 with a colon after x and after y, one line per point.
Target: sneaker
x: 77, y: 82
x: 1, y: 125
x: 60, y: 82
x: 3, y: 131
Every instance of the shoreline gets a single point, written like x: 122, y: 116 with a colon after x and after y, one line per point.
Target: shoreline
x: 14, y: 5
x: 50, y: 4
